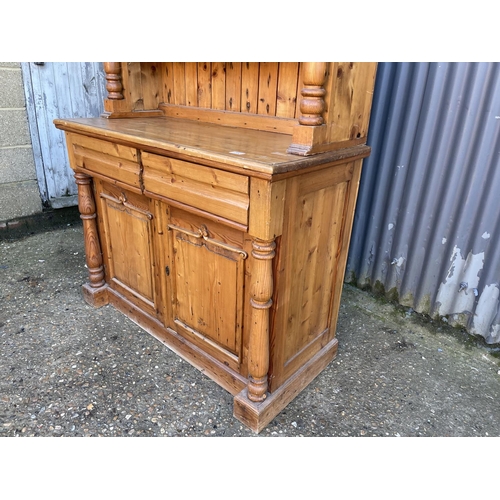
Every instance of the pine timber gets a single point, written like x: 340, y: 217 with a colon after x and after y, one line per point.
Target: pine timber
x: 217, y: 202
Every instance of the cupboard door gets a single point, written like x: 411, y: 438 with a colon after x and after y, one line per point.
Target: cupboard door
x: 207, y: 274
x: 126, y: 221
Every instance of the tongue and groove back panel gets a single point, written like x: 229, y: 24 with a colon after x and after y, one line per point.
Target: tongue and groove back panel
x: 268, y: 94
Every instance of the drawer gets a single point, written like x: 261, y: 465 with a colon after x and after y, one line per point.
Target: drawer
x: 218, y: 192
x: 106, y: 159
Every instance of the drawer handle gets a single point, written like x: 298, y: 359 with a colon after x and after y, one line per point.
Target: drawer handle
x: 203, y: 234
x: 122, y: 200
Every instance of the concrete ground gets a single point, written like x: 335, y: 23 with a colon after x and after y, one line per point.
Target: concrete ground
x: 67, y: 369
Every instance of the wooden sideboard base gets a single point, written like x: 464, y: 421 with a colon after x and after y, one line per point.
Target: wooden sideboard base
x: 257, y: 415
x: 211, y: 367
x: 96, y: 297
x: 217, y: 202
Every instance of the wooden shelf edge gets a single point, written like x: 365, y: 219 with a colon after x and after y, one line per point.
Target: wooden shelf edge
x: 264, y: 123
x: 131, y: 114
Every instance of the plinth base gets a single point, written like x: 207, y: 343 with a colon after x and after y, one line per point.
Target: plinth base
x: 256, y: 416
x: 96, y: 297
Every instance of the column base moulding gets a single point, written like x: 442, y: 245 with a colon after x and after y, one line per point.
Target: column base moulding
x: 95, y: 297
x: 206, y: 364
x: 257, y: 416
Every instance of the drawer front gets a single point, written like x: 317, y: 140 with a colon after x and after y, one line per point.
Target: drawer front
x: 106, y: 159
x: 209, y: 189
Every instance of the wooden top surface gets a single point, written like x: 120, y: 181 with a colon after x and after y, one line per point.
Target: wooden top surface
x: 251, y: 150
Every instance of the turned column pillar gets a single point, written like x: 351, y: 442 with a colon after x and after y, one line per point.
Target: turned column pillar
x: 261, y: 292
x: 93, y: 255
x: 114, y: 84
x: 311, y: 134
x: 312, y: 104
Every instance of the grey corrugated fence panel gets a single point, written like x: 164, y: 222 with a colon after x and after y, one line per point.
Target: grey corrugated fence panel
x: 427, y: 223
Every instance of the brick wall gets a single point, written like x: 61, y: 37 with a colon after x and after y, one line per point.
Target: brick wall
x: 19, y: 193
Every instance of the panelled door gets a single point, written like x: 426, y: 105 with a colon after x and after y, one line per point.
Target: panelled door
x: 126, y: 222
x: 207, y: 272
x: 59, y: 90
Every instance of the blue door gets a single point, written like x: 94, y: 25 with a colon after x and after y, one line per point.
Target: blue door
x: 59, y: 90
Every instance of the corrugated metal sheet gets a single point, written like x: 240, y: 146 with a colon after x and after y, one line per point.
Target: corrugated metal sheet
x: 427, y: 223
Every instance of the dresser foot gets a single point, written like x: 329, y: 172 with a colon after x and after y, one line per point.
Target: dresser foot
x: 256, y: 416
x: 95, y: 297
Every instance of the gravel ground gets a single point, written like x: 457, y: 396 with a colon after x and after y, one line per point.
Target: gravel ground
x: 67, y: 369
